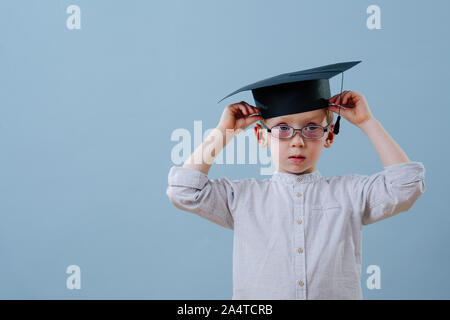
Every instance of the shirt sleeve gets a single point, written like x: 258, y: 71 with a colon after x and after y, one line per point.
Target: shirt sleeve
x: 213, y: 199
x: 389, y: 192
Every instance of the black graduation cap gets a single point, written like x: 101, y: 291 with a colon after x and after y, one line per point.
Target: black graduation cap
x: 295, y: 92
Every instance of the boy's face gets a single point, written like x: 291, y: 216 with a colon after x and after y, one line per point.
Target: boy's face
x: 282, y: 150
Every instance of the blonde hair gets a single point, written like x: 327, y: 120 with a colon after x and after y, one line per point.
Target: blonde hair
x: 329, y: 114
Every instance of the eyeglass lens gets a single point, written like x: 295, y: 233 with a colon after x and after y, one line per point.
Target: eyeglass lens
x: 310, y: 132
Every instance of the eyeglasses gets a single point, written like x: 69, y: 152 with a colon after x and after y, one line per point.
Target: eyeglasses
x: 308, y: 132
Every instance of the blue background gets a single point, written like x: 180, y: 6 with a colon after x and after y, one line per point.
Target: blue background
x: 86, y: 118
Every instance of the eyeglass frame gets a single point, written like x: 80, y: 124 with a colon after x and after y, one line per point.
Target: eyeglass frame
x: 325, y: 129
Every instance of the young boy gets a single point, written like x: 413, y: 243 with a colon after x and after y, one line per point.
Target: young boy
x: 297, y: 235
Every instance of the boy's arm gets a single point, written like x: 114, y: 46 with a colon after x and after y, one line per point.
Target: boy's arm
x: 400, y: 184
x: 389, y: 192
x: 203, y: 156
x: 235, y: 118
x: 189, y: 187
x: 213, y: 199
x: 388, y: 150
x: 357, y: 112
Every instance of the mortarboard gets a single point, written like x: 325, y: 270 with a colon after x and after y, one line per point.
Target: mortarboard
x: 295, y: 92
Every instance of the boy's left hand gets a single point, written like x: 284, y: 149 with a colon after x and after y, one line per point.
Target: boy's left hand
x: 356, y: 108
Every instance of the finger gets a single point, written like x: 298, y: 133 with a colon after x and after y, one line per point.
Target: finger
x: 337, y: 110
x: 254, y: 109
x: 337, y: 100
x: 238, y: 112
x: 247, y: 108
x: 333, y: 98
x: 234, y: 106
x: 243, y: 109
x: 238, y: 104
x: 345, y: 97
x: 257, y: 111
x: 251, y: 109
x: 354, y: 98
x: 253, y: 119
x: 338, y: 96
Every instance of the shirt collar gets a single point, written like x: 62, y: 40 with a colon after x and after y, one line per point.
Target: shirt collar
x: 292, y: 178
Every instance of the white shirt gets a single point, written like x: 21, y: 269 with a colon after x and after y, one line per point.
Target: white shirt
x: 297, y: 236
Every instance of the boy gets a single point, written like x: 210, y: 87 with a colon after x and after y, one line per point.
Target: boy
x: 297, y: 235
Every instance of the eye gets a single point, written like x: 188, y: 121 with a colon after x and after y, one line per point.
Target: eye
x: 312, y: 127
x: 284, y: 128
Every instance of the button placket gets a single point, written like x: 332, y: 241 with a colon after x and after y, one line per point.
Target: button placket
x: 299, y: 237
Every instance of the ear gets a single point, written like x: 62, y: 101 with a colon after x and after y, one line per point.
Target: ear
x: 260, y: 134
x: 329, y: 137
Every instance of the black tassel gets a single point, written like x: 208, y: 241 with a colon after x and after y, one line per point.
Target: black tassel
x: 336, y: 125
x: 338, y: 121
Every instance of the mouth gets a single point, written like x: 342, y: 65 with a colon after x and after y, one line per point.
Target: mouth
x: 296, y: 159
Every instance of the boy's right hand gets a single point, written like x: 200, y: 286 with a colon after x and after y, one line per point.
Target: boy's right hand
x: 237, y: 117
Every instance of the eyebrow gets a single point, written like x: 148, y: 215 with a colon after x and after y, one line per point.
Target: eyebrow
x: 308, y: 121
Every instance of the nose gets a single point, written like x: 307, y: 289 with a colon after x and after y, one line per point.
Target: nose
x: 297, y: 139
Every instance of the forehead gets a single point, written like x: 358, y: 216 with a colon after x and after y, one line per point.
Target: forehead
x: 303, y: 117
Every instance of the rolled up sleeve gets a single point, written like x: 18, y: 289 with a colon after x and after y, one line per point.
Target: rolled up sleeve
x: 389, y: 192
x: 213, y: 199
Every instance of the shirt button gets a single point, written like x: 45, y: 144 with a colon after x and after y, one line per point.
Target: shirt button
x: 299, y: 221
x: 300, y: 283
x: 300, y: 250
x: 299, y: 195
x: 298, y: 179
